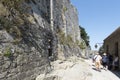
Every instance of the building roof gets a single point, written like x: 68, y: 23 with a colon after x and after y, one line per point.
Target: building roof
x: 113, y: 33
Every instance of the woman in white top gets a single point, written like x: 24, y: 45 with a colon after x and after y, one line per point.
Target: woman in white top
x: 98, y: 59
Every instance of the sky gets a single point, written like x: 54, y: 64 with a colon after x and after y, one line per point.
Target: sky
x: 99, y: 18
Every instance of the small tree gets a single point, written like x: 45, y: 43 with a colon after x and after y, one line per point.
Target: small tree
x: 84, y: 35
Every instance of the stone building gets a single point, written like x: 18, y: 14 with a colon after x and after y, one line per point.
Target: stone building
x: 112, y: 44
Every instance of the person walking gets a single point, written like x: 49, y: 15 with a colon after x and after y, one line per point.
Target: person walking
x: 105, y: 61
x: 98, y: 59
x: 110, y: 61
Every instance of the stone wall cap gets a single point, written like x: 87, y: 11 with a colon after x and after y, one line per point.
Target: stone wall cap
x: 117, y: 30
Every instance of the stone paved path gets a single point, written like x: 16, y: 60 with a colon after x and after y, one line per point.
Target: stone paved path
x: 103, y: 75
x: 77, y: 69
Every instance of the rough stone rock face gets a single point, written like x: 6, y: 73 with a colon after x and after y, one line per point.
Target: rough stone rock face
x: 66, y: 26
x: 24, y: 60
x: 28, y: 56
x: 66, y: 19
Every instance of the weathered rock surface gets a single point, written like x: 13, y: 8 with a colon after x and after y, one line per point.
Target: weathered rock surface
x: 72, y: 69
x: 24, y: 60
x: 26, y: 57
x: 78, y: 69
x: 25, y: 35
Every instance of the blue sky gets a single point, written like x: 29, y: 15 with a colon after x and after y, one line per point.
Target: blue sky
x: 99, y: 18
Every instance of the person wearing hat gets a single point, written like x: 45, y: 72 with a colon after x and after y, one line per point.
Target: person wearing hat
x: 105, y: 61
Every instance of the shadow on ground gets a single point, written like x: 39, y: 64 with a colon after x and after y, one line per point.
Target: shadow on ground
x: 117, y: 73
x: 96, y: 69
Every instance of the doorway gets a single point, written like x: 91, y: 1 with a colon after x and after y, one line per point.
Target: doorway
x: 116, y: 49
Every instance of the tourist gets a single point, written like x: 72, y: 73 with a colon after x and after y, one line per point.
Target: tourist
x: 98, y: 59
x: 110, y: 61
x: 105, y: 61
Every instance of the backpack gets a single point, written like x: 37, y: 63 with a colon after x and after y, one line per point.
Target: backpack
x: 94, y: 58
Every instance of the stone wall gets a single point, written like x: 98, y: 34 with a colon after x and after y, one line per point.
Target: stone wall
x: 24, y: 60
x: 112, y: 43
x: 67, y: 28
x: 66, y: 19
x: 27, y: 56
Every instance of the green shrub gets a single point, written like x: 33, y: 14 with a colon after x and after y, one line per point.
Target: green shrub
x: 7, y: 52
x: 11, y: 3
x: 69, y: 40
x: 5, y: 23
x: 10, y: 27
x: 14, y: 6
x: 77, y: 42
x: 84, y: 35
x: 65, y: 40
x: 82, y: 45
x: 64, y: 9
x: 16, y: 41
x: 61, y: 36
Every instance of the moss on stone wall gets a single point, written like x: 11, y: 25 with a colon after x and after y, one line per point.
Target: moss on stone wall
x: 12, y: 3
x: 15, y: 17
x: 65, y: 40
x: 7, y: 52
x: 82, y: 45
